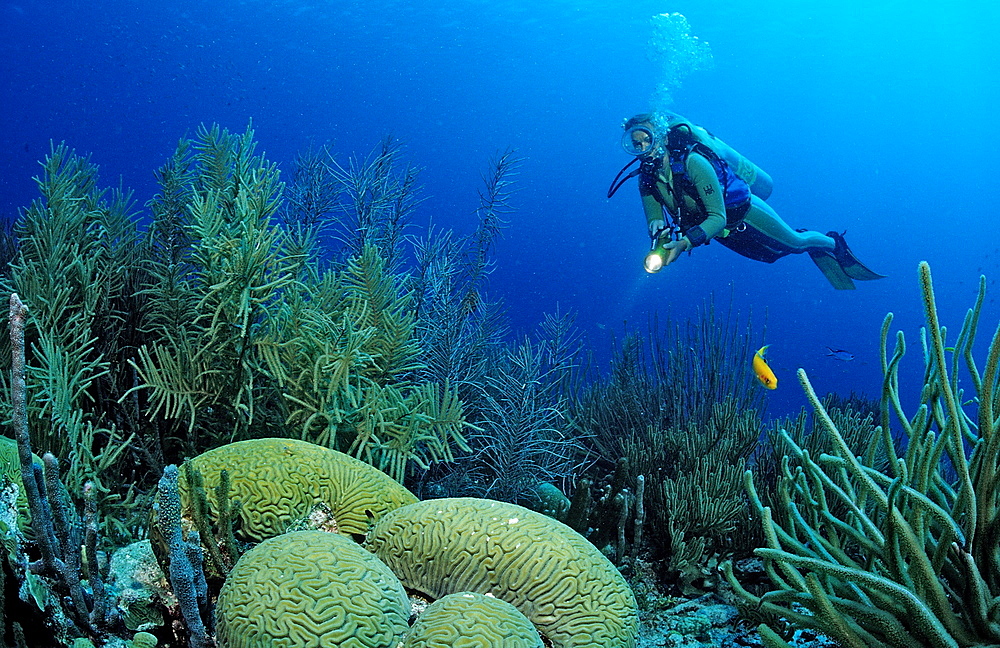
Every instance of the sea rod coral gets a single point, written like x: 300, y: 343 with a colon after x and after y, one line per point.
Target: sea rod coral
x: 907, y: 557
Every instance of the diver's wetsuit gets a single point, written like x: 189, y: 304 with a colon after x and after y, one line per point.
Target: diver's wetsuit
x: 765, y: 224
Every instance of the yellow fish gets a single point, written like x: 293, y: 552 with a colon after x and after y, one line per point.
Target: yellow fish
x: 762, y: 371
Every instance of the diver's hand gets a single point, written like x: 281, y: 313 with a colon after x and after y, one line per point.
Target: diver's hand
x: 656, y: 228
x: 675, y: 248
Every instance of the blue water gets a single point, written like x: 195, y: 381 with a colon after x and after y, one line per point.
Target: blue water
x: 874, y: 117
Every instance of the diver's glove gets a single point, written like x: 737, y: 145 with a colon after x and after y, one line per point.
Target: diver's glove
x: 675, y: 248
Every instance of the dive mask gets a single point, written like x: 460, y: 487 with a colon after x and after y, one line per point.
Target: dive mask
x: 639, y: 140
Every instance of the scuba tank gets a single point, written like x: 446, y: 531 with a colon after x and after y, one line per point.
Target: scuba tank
x: 757, y: 179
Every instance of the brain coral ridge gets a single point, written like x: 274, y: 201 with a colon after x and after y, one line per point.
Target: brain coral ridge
x: 470, y: 620
x: 311, y: 588
x: 279, y: 481
x: 571, y: 592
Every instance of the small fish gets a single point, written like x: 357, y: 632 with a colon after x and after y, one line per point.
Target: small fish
x: 762, y: 371
x: 840, y: 354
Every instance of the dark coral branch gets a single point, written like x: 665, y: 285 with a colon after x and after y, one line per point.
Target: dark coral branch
x: 187, y: 583
x: 56, y: 524
x: 33, y: 487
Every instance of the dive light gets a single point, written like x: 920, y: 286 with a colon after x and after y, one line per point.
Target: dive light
x: 656, y: 258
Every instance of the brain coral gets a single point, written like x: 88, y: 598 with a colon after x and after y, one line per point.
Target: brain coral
x: 279, y: 481
x: 552, y: 574
x: 311, y: 588
x: 470, y: 620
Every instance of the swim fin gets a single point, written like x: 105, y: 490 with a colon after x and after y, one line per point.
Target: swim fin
x: 853, y: 268
x: 831, y: 269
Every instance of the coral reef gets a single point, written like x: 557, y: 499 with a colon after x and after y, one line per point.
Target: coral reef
x: 186, y: 566
x: 249, y: 334
x: 143, y: 640
x: 697, y: 499
x: 471, y: 619
x: 522, y: 436
x: 515, y: 393
x: 283, y: 359
x: 697, y: 623
x: 655, y: 383
x: 279, y: 481
x: 227, y: 321
x: 900, y: 552
x: 681, y: 428
x: 140, y: 587
x: 568, y: 589
x: 546, y: 498
x: 855, y: 419
x: 67, y: 543
x: 309, y: 588
x: 10, y: 476
x: 76, y: 250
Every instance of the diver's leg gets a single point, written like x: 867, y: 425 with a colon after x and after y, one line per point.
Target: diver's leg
x: 764, y: 219
x: 821, y: 248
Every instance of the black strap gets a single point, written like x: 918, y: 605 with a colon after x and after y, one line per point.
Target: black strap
x: 678, y: 192
x: 680, y: 184
x: 616, y: 184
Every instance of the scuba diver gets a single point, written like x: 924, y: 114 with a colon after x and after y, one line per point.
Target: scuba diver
x: 709, y: 191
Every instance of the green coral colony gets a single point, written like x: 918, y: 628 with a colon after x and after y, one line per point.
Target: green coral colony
x: 226, y: 417
x: 570, y: 591
x: 308, y: 588
x: 468, y: 619
x: 278, y: 481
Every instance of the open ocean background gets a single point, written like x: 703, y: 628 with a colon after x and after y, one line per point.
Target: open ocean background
x: 874, y: 117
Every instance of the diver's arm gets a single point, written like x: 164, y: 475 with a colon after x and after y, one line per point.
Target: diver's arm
x: 654, y: 214
x: 706, y: 182
x: 652, y: 208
